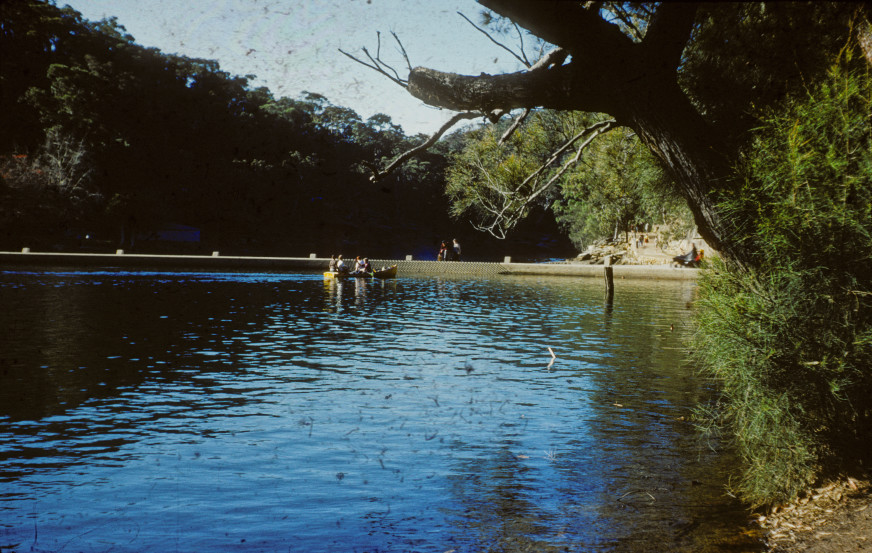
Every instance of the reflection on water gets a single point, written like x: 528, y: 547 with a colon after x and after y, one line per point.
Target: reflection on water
x: 265, y: 412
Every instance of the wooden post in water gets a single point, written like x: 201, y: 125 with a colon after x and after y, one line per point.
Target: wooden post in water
x: 608, y: 274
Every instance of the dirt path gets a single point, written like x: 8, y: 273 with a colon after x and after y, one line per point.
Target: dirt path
x: 834, y: 519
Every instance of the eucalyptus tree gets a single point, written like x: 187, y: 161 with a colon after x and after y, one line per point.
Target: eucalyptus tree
x: 600, y: 186
x: 618, y: 186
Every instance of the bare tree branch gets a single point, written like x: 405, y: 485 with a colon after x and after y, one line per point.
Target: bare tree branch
x: 549, y: 88
x: 517, y: 123
x: 377, y: 64
x: 521, y: 43
x: 379, y: 174
x: 500, y: 44
x: 494, y: 113
x: 402, y: 50
x: 507, y: 216
x: 403, y: 83
x: 377, y: 60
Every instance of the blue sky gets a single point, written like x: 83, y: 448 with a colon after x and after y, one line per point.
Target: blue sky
x: 292, y: 45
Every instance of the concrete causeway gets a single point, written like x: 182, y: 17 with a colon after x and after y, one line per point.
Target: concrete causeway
x: 406, y: 267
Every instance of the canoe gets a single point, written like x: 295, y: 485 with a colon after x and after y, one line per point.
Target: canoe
x: 388, y: 272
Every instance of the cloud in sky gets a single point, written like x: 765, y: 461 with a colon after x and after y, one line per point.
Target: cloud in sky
x: 292, y: 46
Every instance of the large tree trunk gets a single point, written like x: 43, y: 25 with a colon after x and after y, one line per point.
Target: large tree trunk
x: 700, y: 164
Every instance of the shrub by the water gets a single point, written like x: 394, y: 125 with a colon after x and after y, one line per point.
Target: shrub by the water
x: 790, y: 339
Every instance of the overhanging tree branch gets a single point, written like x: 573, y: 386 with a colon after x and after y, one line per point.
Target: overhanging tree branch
x: 550, y: 87
x: 381, y: 173
x: 668, y: 33
x: 493, y: 112
x: 566, y: 24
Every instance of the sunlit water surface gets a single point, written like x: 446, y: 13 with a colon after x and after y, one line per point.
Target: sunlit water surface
x: 155, y: 412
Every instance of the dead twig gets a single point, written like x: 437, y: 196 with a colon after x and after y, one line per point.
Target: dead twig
x: 522, y: 58
x: 379, y: 65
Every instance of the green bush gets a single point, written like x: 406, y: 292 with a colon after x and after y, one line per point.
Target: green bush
x: 790, y: 340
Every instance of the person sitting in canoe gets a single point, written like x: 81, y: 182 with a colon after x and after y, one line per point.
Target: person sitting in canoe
x: 362, y: 267
x: 332, y: 266
x: 340, y: 265
x: 357, y: 266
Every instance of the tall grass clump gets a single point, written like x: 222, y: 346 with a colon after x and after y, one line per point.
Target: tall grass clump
x: 790, y: 338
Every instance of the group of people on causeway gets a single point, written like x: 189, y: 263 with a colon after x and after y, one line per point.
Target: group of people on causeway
x: 363, y: 267
x: 358, y: 266
x: 447, y: 253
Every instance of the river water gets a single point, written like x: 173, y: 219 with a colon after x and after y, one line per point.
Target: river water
x: 156, y: 412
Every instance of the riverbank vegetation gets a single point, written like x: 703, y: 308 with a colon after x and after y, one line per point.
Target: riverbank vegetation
x: 791, y: 338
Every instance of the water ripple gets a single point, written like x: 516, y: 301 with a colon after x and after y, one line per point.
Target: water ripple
x: 417, y: 414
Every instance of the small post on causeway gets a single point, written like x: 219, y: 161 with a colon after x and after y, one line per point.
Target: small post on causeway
x: 507, y: 259
x: 312, y: 256
x: 408, y: 258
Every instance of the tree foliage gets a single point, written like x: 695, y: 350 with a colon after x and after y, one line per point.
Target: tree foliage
x: 610, y: 185
x: 791, y: 340
x: 618, y: 186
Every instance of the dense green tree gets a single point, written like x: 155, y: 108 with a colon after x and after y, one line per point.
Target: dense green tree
x: 792, y: 339
x: 617, y: 187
